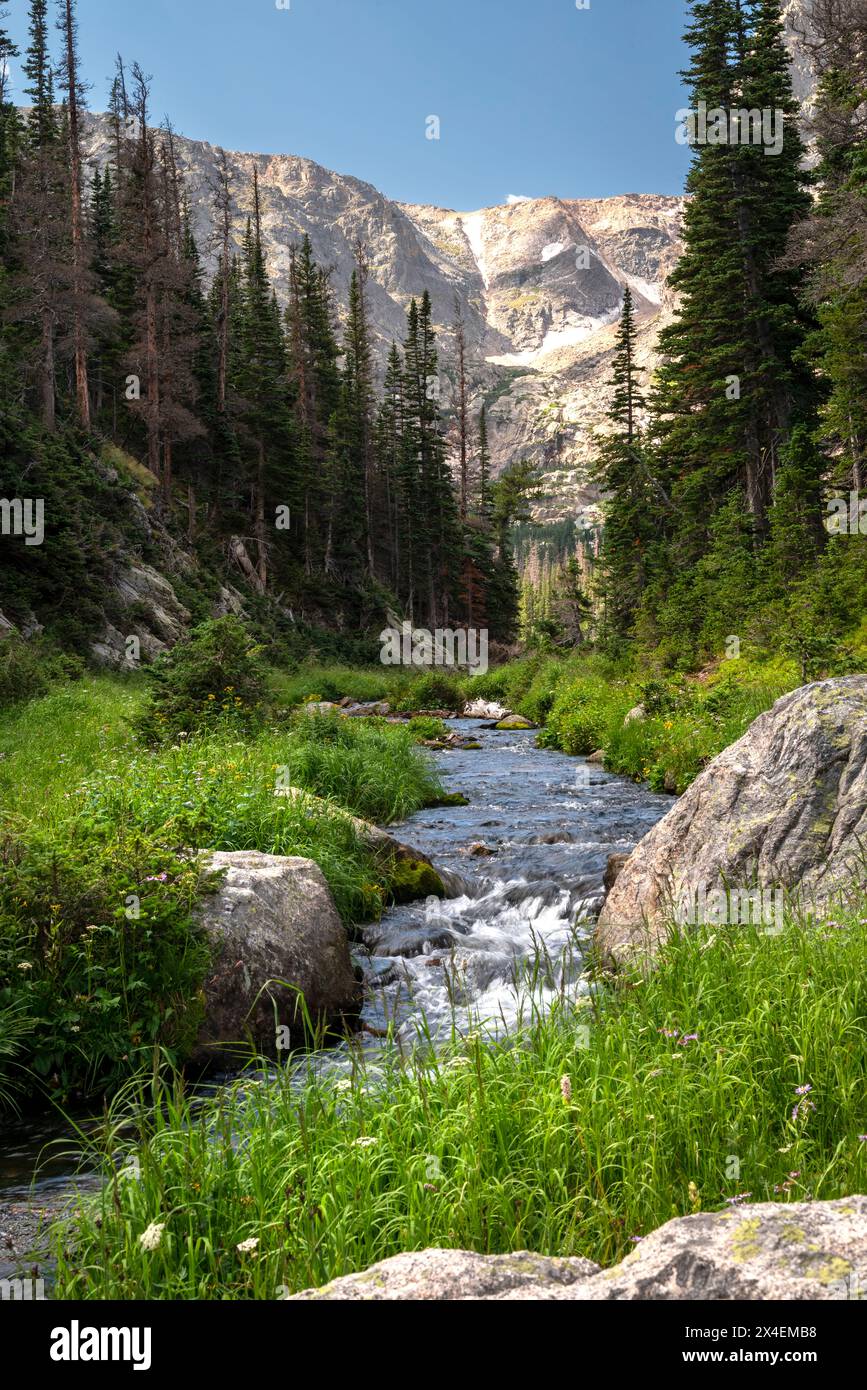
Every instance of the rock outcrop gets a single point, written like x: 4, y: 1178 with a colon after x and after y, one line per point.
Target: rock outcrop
x: 437, y: 1275
x: 804, y: 1251
x: 147, y: 605
x: 783, y: 810
x: 276, y: 936
x: 539, y: 282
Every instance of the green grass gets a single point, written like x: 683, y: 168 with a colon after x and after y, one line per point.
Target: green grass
x: 485, y: 1147
x: 47, y: 745
x: 91, y: 820
x: 581, y: 702
x: 405, y: 688
x: 336, y: 682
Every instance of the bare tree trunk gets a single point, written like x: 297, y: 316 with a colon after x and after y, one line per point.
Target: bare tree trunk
x: 223, y: 207
x: 364, y: 386
x: 82, y: 392
x: 48, y: 371
x: 168, y: 461
x: 463, y: 423
x: 259, y: 528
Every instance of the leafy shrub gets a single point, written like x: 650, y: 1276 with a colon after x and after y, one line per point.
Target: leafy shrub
x: 433, y: 690
x: 15, y: 1024
x: 29, y: 669
x: 97, y: 951
x: 584, y: 714
x: 538, y: 702
x: 425, y: 727
x: 215, y: 678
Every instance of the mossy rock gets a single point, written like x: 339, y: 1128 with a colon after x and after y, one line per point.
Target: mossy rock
x: 515, y: 721
x: 450, y: 799
x: 410, y: 879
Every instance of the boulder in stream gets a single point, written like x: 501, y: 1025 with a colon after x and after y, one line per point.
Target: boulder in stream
x: 276, y: 937
x: 782, y: 811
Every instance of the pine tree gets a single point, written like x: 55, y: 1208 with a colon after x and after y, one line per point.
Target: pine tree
x: 81, y: 283
x: 733, y: 386
x: 630, y: 501
x: 484, y: 469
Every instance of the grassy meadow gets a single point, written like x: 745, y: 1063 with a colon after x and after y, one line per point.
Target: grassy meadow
x: 734, y: 1073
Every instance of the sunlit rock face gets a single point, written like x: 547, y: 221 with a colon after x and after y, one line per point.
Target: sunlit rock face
x: 539, y: 284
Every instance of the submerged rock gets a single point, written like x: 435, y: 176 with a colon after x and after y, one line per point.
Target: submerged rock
x: 277, y: 939
x: 805, y: 1251
x: 784, y: 809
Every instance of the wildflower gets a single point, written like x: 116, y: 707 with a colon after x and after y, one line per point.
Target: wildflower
x: 566, y: 1089
x: 212, y: 697
x: 738, y: 1198
x: 688, y: 1038
x: 803, y: 1090
x: 25, y: 965
x: 636, y: 1240
x: 694, y: 1197
x: 862, y: 1138
x: 150, y: 1239
x: 667, y: 1032
x: 248, y: 1247
x: 366, y: 1142
x: 344, y: 1084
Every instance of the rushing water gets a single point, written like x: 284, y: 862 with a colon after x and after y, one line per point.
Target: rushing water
x: 550, y: 823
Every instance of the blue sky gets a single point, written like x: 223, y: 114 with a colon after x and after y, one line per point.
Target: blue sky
x: 534, y: 97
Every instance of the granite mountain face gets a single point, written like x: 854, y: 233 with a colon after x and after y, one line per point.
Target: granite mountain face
x: 538, y: 283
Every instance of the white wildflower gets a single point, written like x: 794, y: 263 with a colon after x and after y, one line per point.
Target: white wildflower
x: 150, y: 1239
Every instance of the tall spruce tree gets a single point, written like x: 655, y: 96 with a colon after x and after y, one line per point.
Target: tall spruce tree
x: 733, y: 387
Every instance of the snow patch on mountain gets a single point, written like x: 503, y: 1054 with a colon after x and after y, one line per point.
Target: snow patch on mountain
x: 473, y: 224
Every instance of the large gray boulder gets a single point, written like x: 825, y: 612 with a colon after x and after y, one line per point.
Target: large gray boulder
x: 436, y: 1275
x: 784, y: 809
x: 277, y: 937
x: 772, y: 1251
